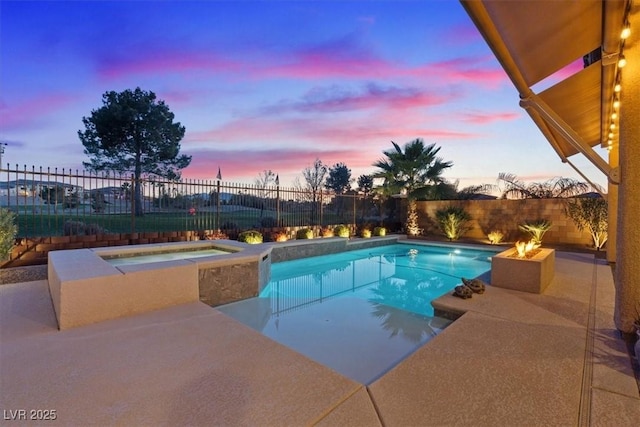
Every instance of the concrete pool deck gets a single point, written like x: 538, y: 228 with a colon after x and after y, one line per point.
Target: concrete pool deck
x: 513, y: 359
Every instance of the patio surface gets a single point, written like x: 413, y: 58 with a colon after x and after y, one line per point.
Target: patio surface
x: 513, y: 359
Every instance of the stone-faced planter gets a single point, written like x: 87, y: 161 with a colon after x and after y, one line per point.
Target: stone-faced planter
x: 523, y: 274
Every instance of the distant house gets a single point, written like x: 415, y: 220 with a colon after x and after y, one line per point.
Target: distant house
x: 33, y: 188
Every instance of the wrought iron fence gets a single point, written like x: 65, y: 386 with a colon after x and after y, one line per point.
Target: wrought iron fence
x: 54, y: 202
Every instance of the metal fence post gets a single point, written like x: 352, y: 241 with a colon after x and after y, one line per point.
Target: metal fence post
x: 133, y: 206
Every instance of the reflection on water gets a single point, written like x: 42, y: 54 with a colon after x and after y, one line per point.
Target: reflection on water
x: 342, y: 333
x: 360, y: 312
x: 399, y: 276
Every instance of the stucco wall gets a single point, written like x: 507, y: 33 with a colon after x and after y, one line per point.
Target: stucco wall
x: 505, y: 215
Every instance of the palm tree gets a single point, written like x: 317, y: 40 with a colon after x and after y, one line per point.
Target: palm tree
x: 553, y: 188
x: 416, y: 169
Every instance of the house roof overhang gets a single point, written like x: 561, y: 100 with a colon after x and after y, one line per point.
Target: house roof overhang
x: 535, y: 39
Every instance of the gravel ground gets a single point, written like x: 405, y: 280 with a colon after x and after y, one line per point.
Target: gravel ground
x: 23, y: 274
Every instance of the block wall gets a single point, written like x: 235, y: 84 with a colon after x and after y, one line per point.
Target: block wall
x: 505, y: 215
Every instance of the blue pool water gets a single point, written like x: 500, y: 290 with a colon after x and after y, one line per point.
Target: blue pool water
x: 363, y: 311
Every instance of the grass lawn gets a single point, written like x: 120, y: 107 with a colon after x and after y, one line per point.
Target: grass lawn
x: 46, y: 224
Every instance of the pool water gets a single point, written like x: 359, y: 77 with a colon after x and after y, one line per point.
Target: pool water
x: 360, y: 312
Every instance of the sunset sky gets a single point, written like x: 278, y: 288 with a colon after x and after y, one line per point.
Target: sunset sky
x: 270, y: 85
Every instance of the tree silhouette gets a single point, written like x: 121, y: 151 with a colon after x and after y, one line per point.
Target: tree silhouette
x: 553, y: 188
x: 133, y: 132
x: 415, y: 169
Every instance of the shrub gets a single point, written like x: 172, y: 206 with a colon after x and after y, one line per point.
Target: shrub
x: 341, y: 230
x: 379, y: 231
x: 536, y: 228
x: 590, y: 214
x: 495, y: 237
x: 304, y: 233
x: 365, y: 232
x: 326, y: 232
x: 213, y: 235
x: 8, y: 231
x: 453, y: 221
x: 250, y: 236
x: 279, y: 236
x: 412, y: 219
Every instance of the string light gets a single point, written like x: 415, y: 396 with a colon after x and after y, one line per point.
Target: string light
x: 622, y: 61
x: 626, y: 32
x: 617, y: 88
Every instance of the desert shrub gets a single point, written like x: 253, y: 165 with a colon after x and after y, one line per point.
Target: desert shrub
x: 326, y: 232
x: 365, y: 233
x: 591, y: 214
x: 8, y: 232
x: 536, y: 229
x: 304, y: 233
x: 453, y: 221
x: 250, y: 236
x: 379, y: 231
x: 341, y: 230
x: 495, y: 237
x: 268, y: 222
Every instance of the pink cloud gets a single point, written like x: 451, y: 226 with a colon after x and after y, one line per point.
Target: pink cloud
x: 162, y: 62
x: 481, y: 119
x: 467, y: 69
x: 242, y: 164
x: 331, y: 133
x: 29, y: 113
x: 333, y: 99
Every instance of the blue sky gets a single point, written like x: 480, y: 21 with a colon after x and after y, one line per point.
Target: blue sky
x: 270, y: 85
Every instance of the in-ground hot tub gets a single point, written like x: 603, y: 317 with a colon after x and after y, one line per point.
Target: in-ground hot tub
x: 124, y: 258
x: 92, y: 285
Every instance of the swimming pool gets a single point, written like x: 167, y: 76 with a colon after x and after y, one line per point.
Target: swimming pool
x: 363, y: 311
